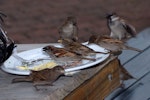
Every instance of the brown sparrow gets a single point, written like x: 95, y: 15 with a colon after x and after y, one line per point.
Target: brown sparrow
x: 114, y: 45
x: 42, y: 77
x: 125, y: 75
x: 119, y: 28
x: 64, y: 56
x: 69, y: 29
x: 78, y: 48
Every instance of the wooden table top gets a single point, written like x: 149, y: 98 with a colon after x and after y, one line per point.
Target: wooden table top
x: 61, y: 88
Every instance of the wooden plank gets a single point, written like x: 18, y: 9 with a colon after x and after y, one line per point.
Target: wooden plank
x: 141, y: 41
x: 137, y: 66
x: 139, y: 91
x: 99, y: 85
x: 104, y: 89
x: 105, y: 85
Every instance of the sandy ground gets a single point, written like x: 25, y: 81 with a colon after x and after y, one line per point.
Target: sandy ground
x: 37, y: 21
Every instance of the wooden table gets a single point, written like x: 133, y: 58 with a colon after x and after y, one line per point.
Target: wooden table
x: 87, y: 84
x: 94, y: 83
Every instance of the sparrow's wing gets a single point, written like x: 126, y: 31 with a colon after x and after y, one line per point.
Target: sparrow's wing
x: 75, y: 33
x: 112, y: 41
x: 109, y: 46
x: 130, y: 29
x: 131, y: 48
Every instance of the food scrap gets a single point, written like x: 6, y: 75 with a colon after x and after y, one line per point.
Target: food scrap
x: 48, y: 65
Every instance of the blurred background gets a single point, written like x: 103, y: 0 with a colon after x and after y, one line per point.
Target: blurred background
x: 37, y: 21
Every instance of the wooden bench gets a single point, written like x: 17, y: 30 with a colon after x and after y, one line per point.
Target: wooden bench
x: 138, y: 64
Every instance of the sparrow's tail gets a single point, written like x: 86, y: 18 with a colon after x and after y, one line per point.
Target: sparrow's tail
x: 25, y: 79
x: 125, y: 75
x: 101, y: 52
x: 134, y: 49
x: 92, y: 59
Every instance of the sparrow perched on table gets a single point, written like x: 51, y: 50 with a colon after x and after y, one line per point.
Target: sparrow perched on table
x: 63, y: 55
x: 119, y: 28
x: 78, y: 48
x: 69, y: 29
x: 42, y: 77
x: 114, y: 45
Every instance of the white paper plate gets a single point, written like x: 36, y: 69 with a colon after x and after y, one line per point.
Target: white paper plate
x: 11, y: 64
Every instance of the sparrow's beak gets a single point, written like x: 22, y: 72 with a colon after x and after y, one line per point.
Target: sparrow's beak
x: 45, y: 48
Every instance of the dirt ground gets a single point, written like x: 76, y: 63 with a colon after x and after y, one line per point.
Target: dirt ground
x: 37, y: 21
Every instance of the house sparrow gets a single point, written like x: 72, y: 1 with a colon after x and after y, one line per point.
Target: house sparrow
x: 78, y: 48
x: 125, y: 75
x: 114, y: 45
x: 63, y: 56
x: 69, y: 29
x: 42, y: 77
x: 119, y: 28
